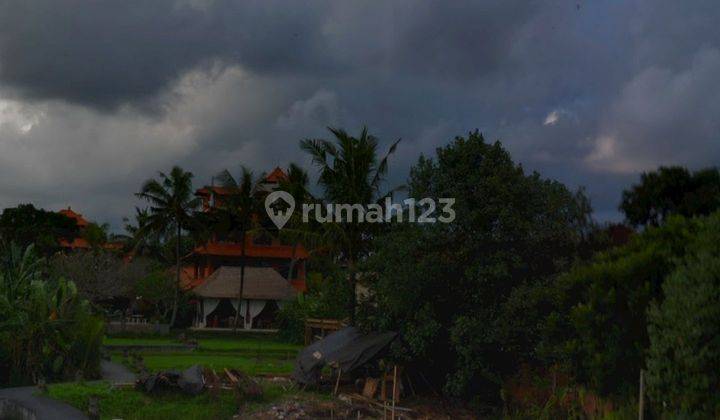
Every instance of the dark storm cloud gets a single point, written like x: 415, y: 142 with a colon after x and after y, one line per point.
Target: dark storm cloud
x: 590, y: 93
x: 105, y: 53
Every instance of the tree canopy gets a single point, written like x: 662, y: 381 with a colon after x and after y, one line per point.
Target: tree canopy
x: 671, y: 190
x: 447, y: 287
x: 26, y: 225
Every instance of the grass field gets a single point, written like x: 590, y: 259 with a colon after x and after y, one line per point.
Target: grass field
x: 128, y: 403
x: 229, y: 343
x: 254, y: 355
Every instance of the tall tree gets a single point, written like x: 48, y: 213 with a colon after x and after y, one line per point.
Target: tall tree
x: 350, y: 173
x: 26, y: 225
x: 235, y: 213
x: 461, y: 293
x: 671, y: 190
x: 172, y: 207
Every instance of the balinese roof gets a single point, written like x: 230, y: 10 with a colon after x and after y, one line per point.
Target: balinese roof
x: 260, y: 283
x: 207, y: 190
x: 68, y: 212
x: 273, y: 177
x: 276, y: 175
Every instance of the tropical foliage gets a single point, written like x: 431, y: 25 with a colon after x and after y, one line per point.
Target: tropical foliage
x: 683, y: 358
x: 350, y: 172
x: 26, y: 225
x: 448, y: 287
x: 598, y: 326
x: 172, y: 206
x: 46, y: 330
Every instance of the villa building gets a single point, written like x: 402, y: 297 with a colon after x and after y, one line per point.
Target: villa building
x: 214, y: 271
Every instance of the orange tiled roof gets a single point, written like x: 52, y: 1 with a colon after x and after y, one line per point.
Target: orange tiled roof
x: 207, y: 190
x: 272, y: 251
x: 276, y: 175
x: 80, y: 243
x: 68, y: 212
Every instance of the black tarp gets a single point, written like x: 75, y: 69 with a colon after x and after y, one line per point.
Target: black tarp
x: 347, y: 349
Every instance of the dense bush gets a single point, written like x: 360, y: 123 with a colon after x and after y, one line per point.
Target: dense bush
x: 598, y: 324
x: 684, y: 355
x: 446, y: 287
x: 327, y: 297
x: 46, y: 330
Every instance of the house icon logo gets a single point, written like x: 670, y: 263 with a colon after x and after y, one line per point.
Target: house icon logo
x: 279, y: 199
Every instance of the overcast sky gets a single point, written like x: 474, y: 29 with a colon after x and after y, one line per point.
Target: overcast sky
x: 97, y: 96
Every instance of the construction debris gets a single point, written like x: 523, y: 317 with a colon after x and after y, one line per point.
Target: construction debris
x: 191, y: 381
x: 245, y: 386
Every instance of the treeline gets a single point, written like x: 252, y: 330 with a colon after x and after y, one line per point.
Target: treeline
x: 525, y: 303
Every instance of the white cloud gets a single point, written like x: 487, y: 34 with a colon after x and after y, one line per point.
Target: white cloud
x: 15, y: 116
x: 663, y: 117
x: 552, y: 118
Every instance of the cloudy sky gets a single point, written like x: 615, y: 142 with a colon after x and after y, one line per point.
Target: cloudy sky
x: 97, y: 96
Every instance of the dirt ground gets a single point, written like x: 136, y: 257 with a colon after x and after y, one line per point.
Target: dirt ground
x: 346, y: 407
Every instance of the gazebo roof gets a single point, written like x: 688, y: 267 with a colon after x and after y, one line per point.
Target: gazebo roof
x: 260, y: 283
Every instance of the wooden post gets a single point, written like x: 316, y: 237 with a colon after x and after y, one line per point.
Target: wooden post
x: 394, y: 391
x: 337, y: 382
x: 641, y: 399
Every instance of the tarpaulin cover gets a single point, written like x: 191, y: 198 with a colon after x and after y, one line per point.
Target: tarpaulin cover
x: 347, y: 349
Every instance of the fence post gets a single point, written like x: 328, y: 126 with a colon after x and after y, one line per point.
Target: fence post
x: 641, y: 399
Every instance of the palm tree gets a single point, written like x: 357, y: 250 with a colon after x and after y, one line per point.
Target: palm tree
x: 296, y: 230
x: 235, y: 215
x: 172, y: 207
x: 350, y: 172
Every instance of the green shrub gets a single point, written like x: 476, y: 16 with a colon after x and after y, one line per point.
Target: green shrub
x: 684, y: 356
x: 327, y: 297
x: 46, y: 330
x: 599, y: 325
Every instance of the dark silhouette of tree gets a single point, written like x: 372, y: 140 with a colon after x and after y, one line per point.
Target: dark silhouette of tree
x: 671, y: 190
x: 351, y: 172
x: 172, y: 206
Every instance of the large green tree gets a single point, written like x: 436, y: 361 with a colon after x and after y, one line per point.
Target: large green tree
x: 351, y: 172
x: 446, y: 287
x: 172, y: 207
x: 671, y: 190
x: 26, y: 225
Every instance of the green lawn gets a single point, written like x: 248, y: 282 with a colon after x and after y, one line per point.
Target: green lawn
x: 211, y: 343
x: 217, y: 361
x: 251, y: 354
x: 128, y: 403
